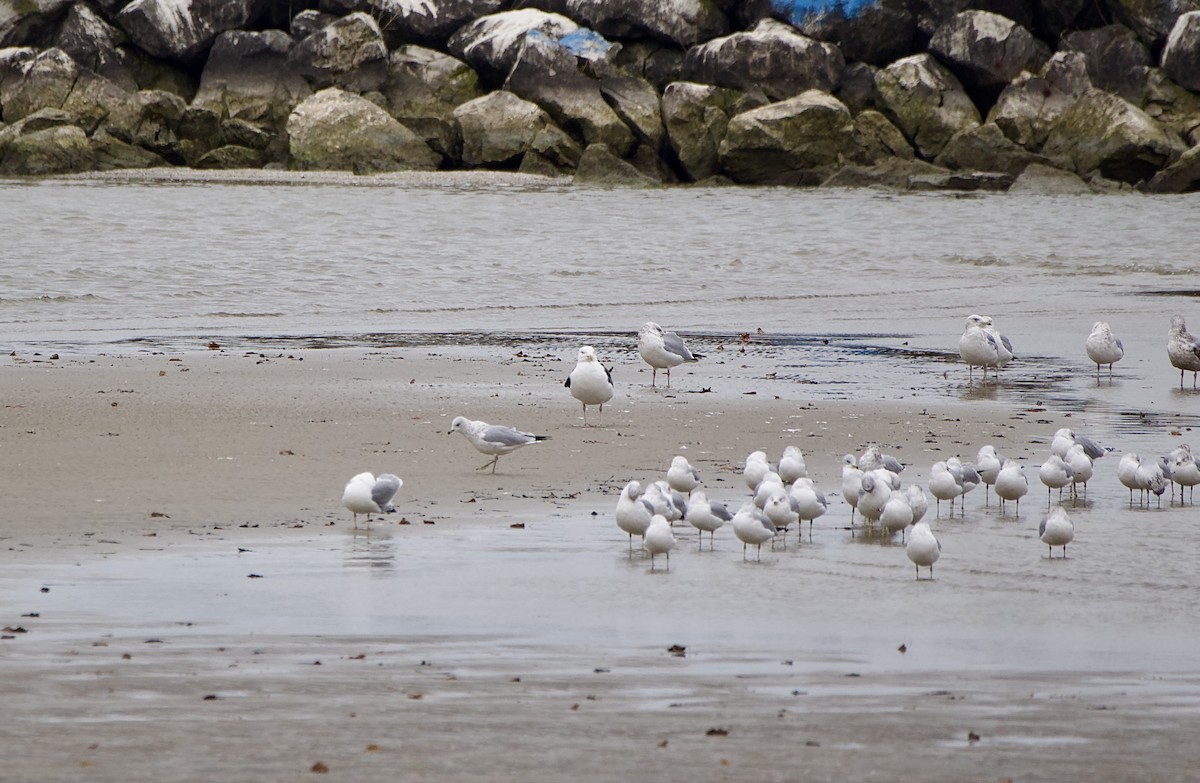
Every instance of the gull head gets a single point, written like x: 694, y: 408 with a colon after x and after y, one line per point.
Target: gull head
x: 587, y: 354
x: 457, y: 425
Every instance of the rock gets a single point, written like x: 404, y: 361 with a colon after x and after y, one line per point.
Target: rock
x: 961, y: 180
x: 347, y: 53
x: 772, y: 57
x: 889, y: 173
x: 1152, y: 20
x: 1042, y: 180
x: 499, y: 128
x: 680, y: 23
x: 25, y: 22
x: 112, y: 153
x: 925, y: 101
x: 14, y: 61
x: 231, y: 156
x: 1052, y: 18
x: 1030, y: 105
x: 638, y: 105
x: 1104, y: 132
x: 422, y: 89
x: 657, y: 64
x: 1171, y: 106
x: 337, y: 130
x: 182, y: 30
x: 932, y: 14
x: 420, y: 21
x: 94, y: 45
x: 876, y: 139
x: 150, y: 119
x: 53, y: 80
x: 153, y: 74
x: 308, y: 22
x: 58, y: 149
x: 1181, y: 55
x: 247, y: 76
x: 985, y: 148
x: 601, y: 166
x: 1116, y: 59
x: 696, y: 117
x: 1182, y: 176
x: 877, y: 33
x: 547, y: 74
x: 986, y: 50
x: 857, y: 89
x: 491, y: 43
x: 534, y: 163
x: 798, y: 141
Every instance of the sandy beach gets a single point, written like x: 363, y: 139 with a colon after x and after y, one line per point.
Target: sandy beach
x: 186, y: 598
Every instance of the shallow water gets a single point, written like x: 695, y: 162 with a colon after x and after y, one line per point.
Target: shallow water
x: 859, y: 295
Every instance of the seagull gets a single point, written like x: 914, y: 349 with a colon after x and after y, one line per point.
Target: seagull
x: 752, y: 527
x: 706, y: 515
x: 791, y: 465
x: 872, y: 459
x: 365, y: 494
x: 1184, y: 471
x: 851, y: 482
x: 896, y: 514
x: 756, y: 468
x: 1065, y: 437
x: 988, y: 464
x: 1127, y: 472
x: 943, y: 485
x: 1011, y: 484
x: 1081, y: 468
x: 1003, y: 344
x: 590, y: 382
x: 923, y: 548
x: 667, y: 501
x: 977, y: 347
x: 778, y: 509
x: 1055, y: 474
x: 1150, y: 478
x: 810, y: 503
x: 494, y: 440
x: 682, y: 476
x: 659, y: 539
x: 1056, y: 529
x: 1103, y: 347
x: 662, y: 350
x: 633, y: 512
x: 1183, y: 349
x: 918, y: 501
x: 877, y: 486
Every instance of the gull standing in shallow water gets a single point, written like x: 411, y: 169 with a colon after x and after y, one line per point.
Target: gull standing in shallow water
x: 752, y: 527
x: 659, y: 539
x: 662, y: 350
x: 1056, y: 529
x: 1103, y: 348
x: 923, y: 548
x: 494, y: 440
x: 682, y: 476
x: 590, y: 382
x: 633, y: 512
x: 977, y: 347
x: 1183, y: 349
x: 366, y: 494
x: 706, y: 515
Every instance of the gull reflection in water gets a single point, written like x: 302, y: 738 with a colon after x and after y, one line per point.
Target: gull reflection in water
x: 369, y: 550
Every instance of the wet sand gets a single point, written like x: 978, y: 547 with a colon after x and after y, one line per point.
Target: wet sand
x: 204, y: 608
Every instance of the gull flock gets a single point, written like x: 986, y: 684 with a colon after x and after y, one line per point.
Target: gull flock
x: 782, y: 495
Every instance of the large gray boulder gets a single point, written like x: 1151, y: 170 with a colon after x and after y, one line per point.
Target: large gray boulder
x: 1182, y: 176
x: 417, y: 21
x: 680, y: 23
x: 1152, y: 20
x: 601, y: 167
x: 877, y: 139
x: 932, y: 14
x: 14, y: 60
x: 52, y: 80
x: 986, y: 148
x: 638, y: 105
x: 27, y: 21
x: 798, y: 141
x: 660, y: 65
x: 151, y: 119
x: 247, y: 76
x: 347, y: 53
x: 95, y: 45
x: 184, y: 29
x: 336, y: 130
x: 33, y: 147
x: 696, y: 117
x: 422, y: 90
x: 986, y: 50
x: 878, y: 33
x: 491, y: 43
x: 1105, y: 133
x: 1032, y: 103
x: 499, y: 129
x: 1171, y: 106
x: 1181, y: 55
x: 1116, y: 59
x: 1041, y: 180
x: 772, y: 57
x: 546, y: 73
x: 925, y: 101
